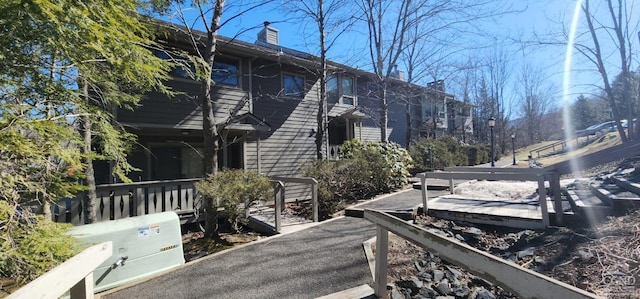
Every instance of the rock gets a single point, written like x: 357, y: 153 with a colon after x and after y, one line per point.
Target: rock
x: 418, y: 266
x: 445, y: 297
x: 453, y: 273
x: 482, y: 293
x: 395, y: 294
x: 438, y: 275
x: 461, y: 292
x: 526, y: 253
x: 428, y: 292
x: 413, y: 285
x: 460, y: 238
x: 425, y: 276
x: 443, y: 287
x: 478, y: 281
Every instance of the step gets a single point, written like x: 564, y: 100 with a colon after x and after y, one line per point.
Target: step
x: 627, y: 185
x: 589, y: 206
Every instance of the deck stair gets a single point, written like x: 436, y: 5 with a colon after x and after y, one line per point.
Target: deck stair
x: 611, y: 195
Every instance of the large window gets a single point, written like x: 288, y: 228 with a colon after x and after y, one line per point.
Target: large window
x: 341, y: 90
x: 293, y: 85
x: 225, y: 72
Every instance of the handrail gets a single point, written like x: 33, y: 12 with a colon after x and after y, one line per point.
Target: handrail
x: 512, y: 277
x: 74, y: 275
x: 303, y: 180
x: 531, y: 176
x: 548, y: 146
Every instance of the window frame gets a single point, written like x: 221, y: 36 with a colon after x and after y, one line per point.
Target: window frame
x: 340, y: 89
x: 229, y: 61
x: 299, y: 94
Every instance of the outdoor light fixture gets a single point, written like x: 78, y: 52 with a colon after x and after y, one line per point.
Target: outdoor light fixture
x: 513, y: 147
x: 492, y: 123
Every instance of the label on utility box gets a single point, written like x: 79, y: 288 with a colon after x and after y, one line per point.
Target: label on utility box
x: 143, y: 232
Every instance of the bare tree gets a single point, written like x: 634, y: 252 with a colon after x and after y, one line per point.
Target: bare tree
x: 534, y: 101
x: 203, y: 52
x: 391, y: 31
x: 614, y: 29
x: 331, y: 20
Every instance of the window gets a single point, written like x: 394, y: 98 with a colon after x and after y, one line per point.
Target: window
x: 341, y: 90
x: 293, y: 85
x: 225, y: 72
x: 346, y: 84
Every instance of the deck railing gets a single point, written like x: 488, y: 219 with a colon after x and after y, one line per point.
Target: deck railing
x: 75, y: 275
x: 522, y: 282
x: 117, y: 201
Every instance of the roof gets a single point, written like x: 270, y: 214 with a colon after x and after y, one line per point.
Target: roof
x: 274, y: 52
x: 247, y: 122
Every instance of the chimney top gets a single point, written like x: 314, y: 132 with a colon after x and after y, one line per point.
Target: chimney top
x: 268, y: 35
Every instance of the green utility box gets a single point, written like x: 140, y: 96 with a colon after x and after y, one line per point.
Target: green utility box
x: 142, y: 246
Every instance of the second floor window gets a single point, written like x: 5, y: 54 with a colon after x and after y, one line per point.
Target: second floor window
x: 225, y: 72
x: 341, y: 90
x: 293, y: 85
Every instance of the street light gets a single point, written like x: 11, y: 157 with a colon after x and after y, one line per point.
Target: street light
x: 513, y: 146
x: 492, y: 123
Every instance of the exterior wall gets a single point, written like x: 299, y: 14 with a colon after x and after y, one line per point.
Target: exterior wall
x: 290, y: 145
x: 183, y: 110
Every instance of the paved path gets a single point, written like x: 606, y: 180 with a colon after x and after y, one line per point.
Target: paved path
x: 310, y: 263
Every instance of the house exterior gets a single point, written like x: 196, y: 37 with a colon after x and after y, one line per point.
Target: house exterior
x: 266, y: 109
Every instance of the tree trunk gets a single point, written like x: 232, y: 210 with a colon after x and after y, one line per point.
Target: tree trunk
x: 90, y: 197
x: 384, y: 111
x: 209, y: 129
x: 322, y: 102
x: 409, y: 129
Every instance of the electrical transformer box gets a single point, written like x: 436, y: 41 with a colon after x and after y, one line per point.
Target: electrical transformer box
x: 142, y: 246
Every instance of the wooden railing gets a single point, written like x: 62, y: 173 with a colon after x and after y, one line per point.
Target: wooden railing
x: 117, y: 201
x: 333, y: 152
x: 299, y: 180
x: 539, y: 175
x: 522, y: 282
x: 74, y: 275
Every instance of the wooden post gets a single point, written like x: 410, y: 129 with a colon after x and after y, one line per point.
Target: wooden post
x: 542, y: 194
x: 83, y: 289
x: 314, y: 199
x: 451, y: 186
x: 278, y: 190
x: 423, y: 186
x: 554, y: 183
x: 382, y: 250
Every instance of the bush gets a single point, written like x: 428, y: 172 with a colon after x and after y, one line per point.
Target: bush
x: 31, y: 245
x: 446, y: 151
x: 339, y: 182
x: 387, y: 162
x: 235, y: 191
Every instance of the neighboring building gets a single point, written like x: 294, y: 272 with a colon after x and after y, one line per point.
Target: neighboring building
x: 266, y: 107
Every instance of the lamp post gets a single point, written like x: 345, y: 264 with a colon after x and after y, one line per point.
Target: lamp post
x: 492, y: 123
x: 513, y: 147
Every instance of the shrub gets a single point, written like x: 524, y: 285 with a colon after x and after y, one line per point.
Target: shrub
x: 447, y: 151
x: 339, y: 182
x: 31, y: 245
x: 235, y: 191
x: 387, y: 162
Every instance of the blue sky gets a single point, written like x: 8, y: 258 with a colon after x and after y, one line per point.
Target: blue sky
x: 542, y: 17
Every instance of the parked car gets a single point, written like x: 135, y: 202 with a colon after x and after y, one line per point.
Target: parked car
x: 597, y: 129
